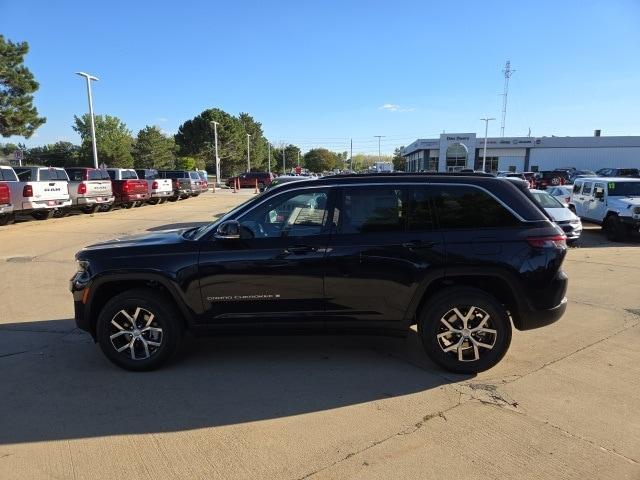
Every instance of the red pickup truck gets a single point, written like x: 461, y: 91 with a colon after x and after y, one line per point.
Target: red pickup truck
x: 128, y: 190
x: 6, y: 208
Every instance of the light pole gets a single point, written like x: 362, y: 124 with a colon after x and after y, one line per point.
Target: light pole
x: 284, y: 163
x: 269, y: 157
x: 215, y: 136
x: 93, y: 124
x: 379, y: 137
x: 484, y: 152
x: 248, y: 157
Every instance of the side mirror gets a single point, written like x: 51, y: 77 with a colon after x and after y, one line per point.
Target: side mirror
x: 229, y: 230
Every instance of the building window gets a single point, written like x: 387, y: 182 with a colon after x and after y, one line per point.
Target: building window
x: 534, y: 168
x: 456, y: 157
x: 491, y: 164
x: 512, y: 168
x: 433, y: 164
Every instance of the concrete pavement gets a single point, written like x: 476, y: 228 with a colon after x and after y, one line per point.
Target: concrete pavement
x: 563, y: 403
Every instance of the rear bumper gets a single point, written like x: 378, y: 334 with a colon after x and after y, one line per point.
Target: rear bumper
x: 102, y: 200
x: 161, y: 193
x: 133, y: 197
x: 45, y: 204
x: 529, y: 317
x: 6, y: 209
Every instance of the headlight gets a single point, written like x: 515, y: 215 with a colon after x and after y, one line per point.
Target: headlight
x: 82, y: 265
x: 636, y: 210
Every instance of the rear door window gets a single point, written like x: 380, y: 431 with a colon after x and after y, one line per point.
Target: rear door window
x: 469, y: 207
x: 112, y: 174
x: 95, y: 175
x: 76, y: 174
x: 420, y: 214
x: 129, y: 175
x: 371, y: 209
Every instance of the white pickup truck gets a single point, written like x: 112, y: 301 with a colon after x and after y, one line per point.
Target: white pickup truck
x: 90, y: 189
x: 613, y: 202
x: 40, y: 191
x: 160, y: 189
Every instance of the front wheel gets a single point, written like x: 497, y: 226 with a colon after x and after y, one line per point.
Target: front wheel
x: 614, y: 229
x: 465, y: 330
x: 139, y: 330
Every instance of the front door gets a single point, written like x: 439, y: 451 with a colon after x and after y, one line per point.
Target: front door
x: 383, y: 250
x: 274, y: 273
x: 597, y: 202
x: 582, y: 200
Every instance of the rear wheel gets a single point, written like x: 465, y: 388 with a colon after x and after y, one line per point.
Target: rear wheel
x: 42, y: 214
x: 138, y: 330
x: 90, y: 209
x: 465, y: 330
x: 7, y: 219
x: 614, y: 229
x: 128, y: 205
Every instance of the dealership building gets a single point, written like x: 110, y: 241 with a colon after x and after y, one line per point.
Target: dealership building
x: 455, y: 151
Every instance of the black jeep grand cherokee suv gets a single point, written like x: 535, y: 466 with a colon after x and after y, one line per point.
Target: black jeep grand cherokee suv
x: 462, y: 256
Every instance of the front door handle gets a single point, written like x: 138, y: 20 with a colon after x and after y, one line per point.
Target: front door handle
x: 299, y: 249
x: 417, y: 244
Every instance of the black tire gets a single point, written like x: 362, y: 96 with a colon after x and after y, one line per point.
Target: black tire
x: 138, y: 204
x: 7, y: 219
x: 162, y: 200
x: 153, y: 201
x: 128, y: 205
x: 174, y: 199
x: 91, y: 209
x: 165, y: 319
x: 42, y: 214
x: 615, y: 230
x: 430, y: 326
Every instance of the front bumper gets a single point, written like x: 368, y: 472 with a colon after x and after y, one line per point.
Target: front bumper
x: 632, y: 223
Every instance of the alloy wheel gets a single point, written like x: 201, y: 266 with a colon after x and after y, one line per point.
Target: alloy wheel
x: 465, y: 332
x: 135, y: 333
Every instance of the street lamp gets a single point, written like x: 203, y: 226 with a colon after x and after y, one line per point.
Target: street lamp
x: 484, y: 152
x: 248, y: 157
x: 93, y: 123
x: 215, y: 136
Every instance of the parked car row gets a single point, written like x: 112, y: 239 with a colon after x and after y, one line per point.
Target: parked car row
x: 43, y: 192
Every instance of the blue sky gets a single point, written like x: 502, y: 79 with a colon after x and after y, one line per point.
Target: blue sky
x: 319, y: 73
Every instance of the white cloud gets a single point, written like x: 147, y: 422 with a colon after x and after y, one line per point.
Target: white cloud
x: 392, y: 107
x: 161, y: 119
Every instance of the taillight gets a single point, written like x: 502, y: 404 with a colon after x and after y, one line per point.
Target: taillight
x: 125, y: 187
x: 82, y: 188
x: 154, y: 185
x: 27, y: 191
x: 567, y: 199
x: 554, y: 241
x: 5, y: 193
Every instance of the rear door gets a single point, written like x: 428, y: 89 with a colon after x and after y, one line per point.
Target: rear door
x: 384, y: 248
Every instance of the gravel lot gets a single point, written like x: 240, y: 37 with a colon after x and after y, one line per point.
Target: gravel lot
x: 564, y: 402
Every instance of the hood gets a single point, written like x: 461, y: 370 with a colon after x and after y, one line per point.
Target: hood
x: 625, y: 201
x: 561, y: 214
x: 162, y: 237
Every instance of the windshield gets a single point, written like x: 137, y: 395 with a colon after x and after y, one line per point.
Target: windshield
x: 624, y: 189
x: 546, y: 201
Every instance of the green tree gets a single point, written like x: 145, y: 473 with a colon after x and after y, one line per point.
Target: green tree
x: 59, y: 154
x: 186, y: 163
x: 398, y: 159
x: 291, y: 155
x: 257, y: 142
x: 18, y: 116
x: 153, y: 149
x: 321, y: 160
x: 113, y: 140
x: 195, y: 137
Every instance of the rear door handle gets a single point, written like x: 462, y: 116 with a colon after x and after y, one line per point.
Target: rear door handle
x: 417, y: 244
x: 299, y: 249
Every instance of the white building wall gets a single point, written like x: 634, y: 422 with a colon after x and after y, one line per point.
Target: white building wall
x: 504, y: 162
x: 584, y: 158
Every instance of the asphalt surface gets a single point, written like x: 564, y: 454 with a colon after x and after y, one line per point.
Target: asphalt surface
x: 563, y: 403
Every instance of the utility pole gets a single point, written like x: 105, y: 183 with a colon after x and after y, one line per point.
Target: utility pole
x: 507, y: 75
x: 93, y: 122
x: 284, y: 163
x: 248, y: 157
x: 269, y: 156
x: 379, y: 137
x: 215, y: 137
x: 352, y: 155
x: 484, y: 152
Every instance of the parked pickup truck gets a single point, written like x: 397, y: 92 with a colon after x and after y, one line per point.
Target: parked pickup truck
x: 129, y: 191
x: 613, y: 202
x: 6, y: 207
x: 180, y: 181
x: 90, y: 189
x: 160, y: 189
x: 40, y: 191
